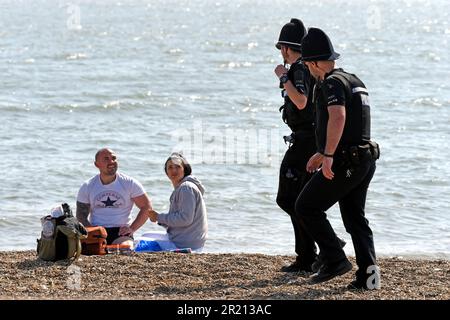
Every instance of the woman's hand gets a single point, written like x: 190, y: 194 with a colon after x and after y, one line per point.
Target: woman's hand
x: 153, y: 215
x: 126, y: 231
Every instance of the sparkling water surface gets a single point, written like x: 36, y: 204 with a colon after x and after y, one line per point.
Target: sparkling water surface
x: 150, y: 77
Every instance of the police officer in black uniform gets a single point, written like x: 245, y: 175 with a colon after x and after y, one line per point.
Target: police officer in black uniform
x: 297, y: 113
x: 346, y: 158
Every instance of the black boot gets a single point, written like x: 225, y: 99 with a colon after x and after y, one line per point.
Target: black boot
x: 319, y: 261
x: 329, y: 271
x: 362, y: 282
x: 297, y: 266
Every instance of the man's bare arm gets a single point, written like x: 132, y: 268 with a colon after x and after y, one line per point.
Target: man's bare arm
x: 144, y: 203
x: 83, y: 210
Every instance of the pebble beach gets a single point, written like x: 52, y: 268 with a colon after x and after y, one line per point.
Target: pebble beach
x: 176, y: 276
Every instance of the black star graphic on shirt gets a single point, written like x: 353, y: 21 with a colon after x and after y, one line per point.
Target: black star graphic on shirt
x: 109, y: 202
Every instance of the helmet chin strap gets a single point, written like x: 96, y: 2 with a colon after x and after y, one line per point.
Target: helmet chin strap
x: 321, y: 72
x: 284, y: 65
x: 285, y: 61
x: 325, y: 69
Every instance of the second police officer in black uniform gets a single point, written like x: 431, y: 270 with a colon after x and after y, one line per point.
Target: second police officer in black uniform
x: 346, y: 157
x: 297, y: 113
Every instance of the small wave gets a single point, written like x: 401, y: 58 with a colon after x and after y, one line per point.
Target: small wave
x: 432, y: 181
x: 75, y: 56
x: 112, y: 104
x: 13, y: 222
x: 427, y: 102
x: 249, y: 109
x: 174, y: 51
x: 15, y: 108
x: 92, y: 106
x: 430, y: 56
x: 252, y: 45
x: 233, y: 65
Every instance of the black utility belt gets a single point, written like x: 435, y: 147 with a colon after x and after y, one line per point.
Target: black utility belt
x: 355, y: 154
x: 373, y: 147
x: 298, y: 135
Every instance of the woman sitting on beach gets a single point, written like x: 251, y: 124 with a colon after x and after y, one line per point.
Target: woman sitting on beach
x: 186, y: 221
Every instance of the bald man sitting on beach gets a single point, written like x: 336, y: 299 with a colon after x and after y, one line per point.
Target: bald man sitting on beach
x: 107, y: 199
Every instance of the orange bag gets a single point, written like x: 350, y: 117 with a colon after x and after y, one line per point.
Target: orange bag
x: 95, y: 244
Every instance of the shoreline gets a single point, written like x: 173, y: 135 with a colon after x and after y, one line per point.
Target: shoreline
x: 400, y: 255
x: 176, y: 276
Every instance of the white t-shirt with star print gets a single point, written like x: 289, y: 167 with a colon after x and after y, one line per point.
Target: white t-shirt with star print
x: 111, y: 204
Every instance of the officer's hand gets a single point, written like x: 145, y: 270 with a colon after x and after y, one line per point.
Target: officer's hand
x: 280, y: 70
x: 314, y: 163
x: 327, y: 163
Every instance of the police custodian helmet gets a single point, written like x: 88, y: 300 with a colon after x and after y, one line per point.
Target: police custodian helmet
x: 291, y: 35
x: 316, y: 46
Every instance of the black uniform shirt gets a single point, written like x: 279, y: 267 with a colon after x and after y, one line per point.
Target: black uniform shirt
x: 299, y: 75
x: 297, y: 119
x: 357, y: 119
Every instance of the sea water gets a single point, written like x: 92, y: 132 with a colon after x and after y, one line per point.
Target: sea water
x: 150, y: 77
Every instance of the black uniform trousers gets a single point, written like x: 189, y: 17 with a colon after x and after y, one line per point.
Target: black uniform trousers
x: 350, y: 190
x: 293, y: 177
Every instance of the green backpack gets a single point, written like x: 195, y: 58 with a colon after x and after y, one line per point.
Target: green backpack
x: 60, y: 236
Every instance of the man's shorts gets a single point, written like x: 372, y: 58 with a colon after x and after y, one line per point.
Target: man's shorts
x: 113, y: 234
